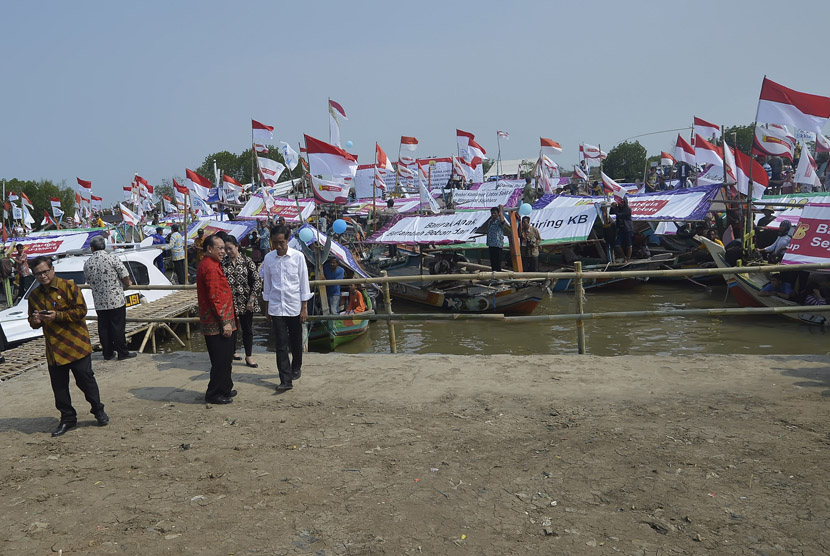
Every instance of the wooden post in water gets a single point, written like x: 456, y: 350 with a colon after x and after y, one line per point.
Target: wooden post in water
x: 387, y: 303
x: 580, y: 324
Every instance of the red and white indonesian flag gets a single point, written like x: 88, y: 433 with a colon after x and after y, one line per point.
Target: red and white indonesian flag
x: 56, y: 206
x: 25, y: 200
x: 335, y: 112
x: 143, y: 187
x: 327, y: 191
x: 95, y: 202
x: 458, y: 168
x: 683, y: 151
x: 196, y: 184
x: 503, y: 134
x: 780, y: 105
x: 128, y: 193
x: 262, y: 134
x: 337, y: 109
x: 86, y: 186
x: 729, y: 163
x: 408, y: 144
x: 579, y: 173
x: 759, y: 181
x: 329, y: 160
x: 773, y: 141
x: 404, y: 171
x: 548, y: 163
x: 128, y: 216
x: 613, y: 188
x: 13, y: 196
x: 666, y: 159
x: 180, y: 192
x: 260, y: 148
x: 167, y: 204
x: 806, y: 171
x: 550, y: 147
x: 706, y: 152
x: 467, y: 146
x: 232, y: 188
x: 382, y: 159
x: 705, y: 129
x: 269, y: 170
x: 46, y: 219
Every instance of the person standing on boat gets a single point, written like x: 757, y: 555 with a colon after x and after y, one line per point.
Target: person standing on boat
x: 496, y: 226
x: 775, y: 252
x: 158, y: 239
x: 530, y: 239
x: 246, y: 287
x: 625, y: 226
x: 285, y: 287
x: 58, y: 307
x: 107, y: 277
x: 217, y: 320
x: 333, y: 271
x: 24, y: 274
x: 176, y: 248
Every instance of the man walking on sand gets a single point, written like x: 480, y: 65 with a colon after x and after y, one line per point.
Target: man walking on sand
x: 285, y: 287
x: 58, y: 307
x: 217, y: 320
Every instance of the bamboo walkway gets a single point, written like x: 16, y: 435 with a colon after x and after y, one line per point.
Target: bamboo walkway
x: 32, y: 354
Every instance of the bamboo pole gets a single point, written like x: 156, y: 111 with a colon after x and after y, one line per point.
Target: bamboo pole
x: 580, y: 293
x: 539, y: 276
x: 387, y: 302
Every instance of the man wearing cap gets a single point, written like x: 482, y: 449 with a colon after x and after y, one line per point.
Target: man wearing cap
x: 158, y: 239
x: 176, y: 248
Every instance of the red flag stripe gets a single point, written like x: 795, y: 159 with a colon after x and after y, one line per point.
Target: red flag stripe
x: 408, y: 140
x: 813, y: 105
x: 315, y: 146
x: 257, y: 125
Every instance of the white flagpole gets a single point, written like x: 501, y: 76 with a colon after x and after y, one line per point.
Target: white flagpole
x: 498, y: 160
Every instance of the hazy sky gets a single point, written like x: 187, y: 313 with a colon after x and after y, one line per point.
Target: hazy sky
x: 104, y: 89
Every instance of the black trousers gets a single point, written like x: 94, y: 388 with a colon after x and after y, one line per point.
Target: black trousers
x: 220, y: 350
x: 495, y: 258
x: 178, y: 268
x: 289, y: 332
x: 25, y: 282
x: 111, y: 323
x: 84, y: 379
x: 530, y: 263
x: 246, y: 330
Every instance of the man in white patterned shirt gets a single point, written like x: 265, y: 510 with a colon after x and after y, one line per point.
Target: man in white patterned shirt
x: 285, y: 288
x: 107, y: 277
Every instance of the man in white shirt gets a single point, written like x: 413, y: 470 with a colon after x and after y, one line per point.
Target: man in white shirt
x: 285, y: 288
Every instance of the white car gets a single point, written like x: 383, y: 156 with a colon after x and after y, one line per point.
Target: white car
x: 14, y: 322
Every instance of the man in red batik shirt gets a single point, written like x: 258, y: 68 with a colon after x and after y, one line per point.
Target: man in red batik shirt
x: 217, y: 319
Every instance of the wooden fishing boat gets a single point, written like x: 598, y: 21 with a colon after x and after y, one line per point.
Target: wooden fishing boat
x: 745, y: 288
x: 327, y: 335
x: 653, y: 263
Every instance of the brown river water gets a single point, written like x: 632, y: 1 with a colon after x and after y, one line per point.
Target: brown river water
x: 671, y: 335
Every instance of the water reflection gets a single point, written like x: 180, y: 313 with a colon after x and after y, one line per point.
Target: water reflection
x: 648, y: 336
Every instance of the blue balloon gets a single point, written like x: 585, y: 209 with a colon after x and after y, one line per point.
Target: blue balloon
x: 349, y: 144
x: 306, y: 235
x: 339, y: 226
x: 525, y: 209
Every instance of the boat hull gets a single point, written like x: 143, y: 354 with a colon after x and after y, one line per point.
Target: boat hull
x: 327, y: 335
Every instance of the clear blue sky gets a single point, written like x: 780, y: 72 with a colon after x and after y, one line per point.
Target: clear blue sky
x: 103, y: 89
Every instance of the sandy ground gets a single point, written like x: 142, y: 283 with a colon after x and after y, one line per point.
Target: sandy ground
x: 402, y: 454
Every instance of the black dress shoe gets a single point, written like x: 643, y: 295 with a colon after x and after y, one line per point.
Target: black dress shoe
x: 128, y: 355
x: 284, y: 387
x: 232, y: 394
x: 108, y: 357
x: 219, y: 400
x: 62, y: 428
x: 297, y: 375
x: 102, y: 418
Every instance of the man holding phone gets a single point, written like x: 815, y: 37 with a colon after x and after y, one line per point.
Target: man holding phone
x: 58, y: 307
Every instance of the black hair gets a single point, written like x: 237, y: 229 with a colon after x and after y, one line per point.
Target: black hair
x: 277, y: 230
x: 39, y: 261
x: 209, y: 241
x: 230, y: 239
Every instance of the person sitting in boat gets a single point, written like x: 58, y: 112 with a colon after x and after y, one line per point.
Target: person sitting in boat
x: 356, y: 303
x: 333, y: 271
x: 777, y: 287
x: 775, y: 252
x: 812, y: 294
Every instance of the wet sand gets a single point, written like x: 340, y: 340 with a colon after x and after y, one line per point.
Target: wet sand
x: 415, y: 454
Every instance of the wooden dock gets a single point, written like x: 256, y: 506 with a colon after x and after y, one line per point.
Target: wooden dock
x: 32, y: 354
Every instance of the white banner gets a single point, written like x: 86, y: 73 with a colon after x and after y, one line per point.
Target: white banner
x: 559, y: 224
x: 237, y: 228
x: 485, y: 199
x: 287, y: 208
x: 793, y: 214
x: 811, y: 240
x: 444, y: 228
x: 54, y: 244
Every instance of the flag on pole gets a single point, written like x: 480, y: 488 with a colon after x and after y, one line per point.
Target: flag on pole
x: 47, y: 219
x: 459, y: 168
x: 760, y: 180
x: 56, y: 206
x: 780, y: 105
x: 806, y: 171
x: 329, y: 160
x: 613, y: 188
x: 705, y: 129
x: 409, y: 144
x: 468, y: 147
x: 96, y: 203
x: 729, y: 163
x: 260, y: 148
x: 590, y: 152
x: 403, y: 170
x: 167, y: 204
x: 706, y: 152
x: 128, y: 193
x: 129, y: 217
x: 289, y: 155
x: 13, y: 196
x: 379, y: 183
x: 503, y: 134
x: 683, y: 151
x: 549, y: 146
x: 327, y: 191
x: 425, y: 197
x: 233, y: 189
x: 666, y: 159
x: 269, y: 170
x: 335, y: 110
x: 578, y: 172
x: 87, y: 185
x: 383, y: 160
x: 198, y: 185
x: 262, y: 134
x: 28, y: 219
x: 548, y: 163
x: 25, y: 200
